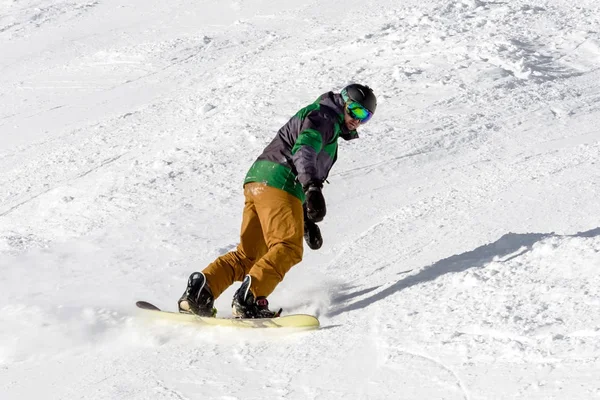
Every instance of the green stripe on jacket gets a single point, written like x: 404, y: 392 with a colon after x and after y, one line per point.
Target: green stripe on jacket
x: 309, y: 137
x: 275, y: 175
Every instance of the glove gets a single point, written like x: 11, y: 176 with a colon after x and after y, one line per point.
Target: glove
x: 312, y: 233
x: 315, y: 202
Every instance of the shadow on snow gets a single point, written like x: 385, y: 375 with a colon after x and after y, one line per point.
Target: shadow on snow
x: 511, y: 244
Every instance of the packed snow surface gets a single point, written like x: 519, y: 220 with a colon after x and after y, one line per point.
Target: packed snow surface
x: 461, y: 255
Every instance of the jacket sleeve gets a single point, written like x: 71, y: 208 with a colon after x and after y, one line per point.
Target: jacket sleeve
x: 316, y: 131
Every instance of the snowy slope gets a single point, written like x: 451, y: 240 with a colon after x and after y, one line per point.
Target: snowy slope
x: 462, y: 241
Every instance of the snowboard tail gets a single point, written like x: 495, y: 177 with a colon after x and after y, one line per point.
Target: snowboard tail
x: 300, y: 321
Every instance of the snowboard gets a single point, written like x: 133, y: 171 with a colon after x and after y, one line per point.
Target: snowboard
x: 298, y: 321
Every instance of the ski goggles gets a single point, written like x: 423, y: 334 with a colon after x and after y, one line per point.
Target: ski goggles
x: 358, y: 112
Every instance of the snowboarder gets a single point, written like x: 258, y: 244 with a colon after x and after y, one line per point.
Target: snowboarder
x: 283, y: 203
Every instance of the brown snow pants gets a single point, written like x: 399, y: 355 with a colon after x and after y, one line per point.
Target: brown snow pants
x: 271, y: 242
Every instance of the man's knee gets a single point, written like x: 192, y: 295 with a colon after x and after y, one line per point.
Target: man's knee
x: 291, y: 252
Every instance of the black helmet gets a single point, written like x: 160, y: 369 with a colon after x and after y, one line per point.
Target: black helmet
x: 362, y: 94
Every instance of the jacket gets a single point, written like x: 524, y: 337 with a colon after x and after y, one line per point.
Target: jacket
x: 305, y: 148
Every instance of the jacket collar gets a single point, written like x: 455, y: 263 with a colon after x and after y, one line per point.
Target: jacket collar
x: 336, y: 102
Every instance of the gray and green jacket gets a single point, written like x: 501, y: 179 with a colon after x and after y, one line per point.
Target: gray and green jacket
x: 305, y: 148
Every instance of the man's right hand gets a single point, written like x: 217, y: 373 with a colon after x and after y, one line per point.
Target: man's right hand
x: 312, y: 235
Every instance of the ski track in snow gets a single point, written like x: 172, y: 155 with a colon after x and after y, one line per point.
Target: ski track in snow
x: 461, y: 241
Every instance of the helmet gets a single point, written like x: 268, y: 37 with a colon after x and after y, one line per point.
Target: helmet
x: 361, y: 94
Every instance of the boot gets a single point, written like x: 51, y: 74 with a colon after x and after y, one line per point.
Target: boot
x: 244, y: 305
x: 197, y: 298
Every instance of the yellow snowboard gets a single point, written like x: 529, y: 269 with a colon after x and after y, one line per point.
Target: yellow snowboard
x: 298, y: 321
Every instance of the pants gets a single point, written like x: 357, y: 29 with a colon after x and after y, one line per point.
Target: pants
x: 271, y: 242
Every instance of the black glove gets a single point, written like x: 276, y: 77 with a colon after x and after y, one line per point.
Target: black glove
x: 312, y: 233
x: 315, y: 202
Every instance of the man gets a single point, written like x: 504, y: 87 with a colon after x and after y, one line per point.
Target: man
x: 290, y: 171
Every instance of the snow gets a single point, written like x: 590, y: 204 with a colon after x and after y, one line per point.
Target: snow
x: 462, y: 241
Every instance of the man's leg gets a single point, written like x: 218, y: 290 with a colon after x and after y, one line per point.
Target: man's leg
x: 282, y: 222
x: 236, y: 264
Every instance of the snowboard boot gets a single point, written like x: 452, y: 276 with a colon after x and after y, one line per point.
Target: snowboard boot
x: 197, y: 298
x: 244, y: 305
